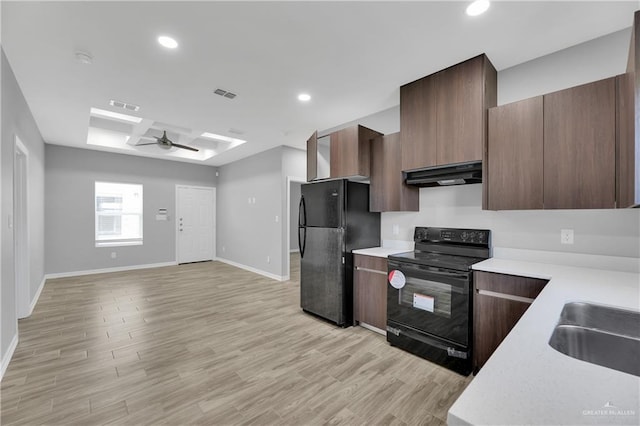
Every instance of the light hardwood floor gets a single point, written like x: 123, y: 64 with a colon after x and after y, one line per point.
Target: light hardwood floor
x: 208, y: 343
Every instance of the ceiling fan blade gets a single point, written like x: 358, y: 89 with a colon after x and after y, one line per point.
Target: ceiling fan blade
x: 150, y: 143
x: 184, y: 147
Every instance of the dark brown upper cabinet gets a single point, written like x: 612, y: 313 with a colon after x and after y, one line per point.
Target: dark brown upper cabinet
x: 628, y: 126
x: 571, y: 149
x: 627, y: 144
x: 387, y: 191
x: 514, y: 164
x: 443, y: 116
x: 418, y: 123
x: 351, y: 152
x: 579, y: 147
x: 344, y: 153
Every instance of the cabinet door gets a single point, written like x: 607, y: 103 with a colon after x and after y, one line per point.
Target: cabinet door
x: 627, y: 168
x: 460, y: 114
x: 579, y: 147
x: 312, y: 157
x: 514, y: 164
x: 370, y: 289
x: 499, y: 302
x: 387, y: 191
x: 418, y: 123
x: 351, y: 152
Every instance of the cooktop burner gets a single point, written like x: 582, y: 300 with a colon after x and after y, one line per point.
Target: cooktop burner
x: 462, y: 263
x: 447, y: 248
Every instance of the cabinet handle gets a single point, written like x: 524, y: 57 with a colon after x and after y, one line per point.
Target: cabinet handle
x: 373, y: 271
x: 504, y: 296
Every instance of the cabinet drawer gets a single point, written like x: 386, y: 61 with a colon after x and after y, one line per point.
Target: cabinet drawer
x: 510, y: 285
x: 373, y: 263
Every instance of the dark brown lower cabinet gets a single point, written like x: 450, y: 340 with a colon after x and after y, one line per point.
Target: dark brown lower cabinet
x: 499, y: 302
x: 370, y: 290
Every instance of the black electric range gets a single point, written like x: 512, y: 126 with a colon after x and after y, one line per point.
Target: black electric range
x: 429, y: 295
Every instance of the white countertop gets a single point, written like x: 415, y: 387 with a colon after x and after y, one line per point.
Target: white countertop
x: 526, y: 381
x: 379, y: 251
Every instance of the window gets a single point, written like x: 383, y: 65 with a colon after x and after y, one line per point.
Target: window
x: 118, y: 214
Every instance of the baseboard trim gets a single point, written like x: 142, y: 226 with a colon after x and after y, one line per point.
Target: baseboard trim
x: 252, y: 269
x: 35, y: 299
x: 7, y: 357
x: 107, y: 270
x: 372, y: 328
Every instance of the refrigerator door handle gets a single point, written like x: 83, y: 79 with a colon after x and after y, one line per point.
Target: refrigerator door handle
x: 302, y: 226
x: 302, y: 242
x: 302, y: 212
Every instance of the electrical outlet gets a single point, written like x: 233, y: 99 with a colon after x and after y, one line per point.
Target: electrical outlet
x: 277, y: 219
x: 113, y: 255
x: 396, y: 229
x: 268, y: 259
x: 224, y: 249
x: 566, y: 236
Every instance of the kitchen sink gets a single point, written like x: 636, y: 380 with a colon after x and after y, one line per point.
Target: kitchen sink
x: 601, y: 335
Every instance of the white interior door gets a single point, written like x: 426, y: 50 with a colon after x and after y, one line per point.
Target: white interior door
x: 195, y: 223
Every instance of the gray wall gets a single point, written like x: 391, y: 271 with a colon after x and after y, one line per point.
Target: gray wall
x: 17, y: 120
x: 605, y: 232
x: 70, y: 177
x: 248, y: 232
x: 294, y: 165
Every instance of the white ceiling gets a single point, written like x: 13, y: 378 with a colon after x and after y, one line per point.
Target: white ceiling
x: 350, y: 56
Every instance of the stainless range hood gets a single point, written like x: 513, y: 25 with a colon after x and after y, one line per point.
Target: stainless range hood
x: 450, y: 174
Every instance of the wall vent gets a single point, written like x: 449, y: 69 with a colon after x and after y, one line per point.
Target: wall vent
x: 124, y: 105
x: 224, y: 93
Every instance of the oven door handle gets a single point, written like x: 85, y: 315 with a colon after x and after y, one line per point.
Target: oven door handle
x: 439, y: 273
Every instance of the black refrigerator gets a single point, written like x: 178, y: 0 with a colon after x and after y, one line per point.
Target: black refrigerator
x: 333, y: 220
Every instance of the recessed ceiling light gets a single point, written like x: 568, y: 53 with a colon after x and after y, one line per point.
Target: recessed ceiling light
x: 115, y: 115
x: 167, y: 42
x: 304, y: 97
x: 221, y: 138
x: 478, y: 7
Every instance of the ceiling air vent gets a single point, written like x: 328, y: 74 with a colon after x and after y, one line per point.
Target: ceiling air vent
x: 224, y: 93
x: 124, y: 105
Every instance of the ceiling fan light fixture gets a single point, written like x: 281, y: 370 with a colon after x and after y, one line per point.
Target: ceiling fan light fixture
x: 478, y: 7
x: 168, y: 42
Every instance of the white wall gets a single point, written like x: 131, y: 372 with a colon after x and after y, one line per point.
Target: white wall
x: 594, y: 60
x: 17, y: 120
x: 71, y: 174
x: 605, y: 232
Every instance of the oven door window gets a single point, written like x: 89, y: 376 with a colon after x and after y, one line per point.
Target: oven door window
x: 432, y: 301
x: 430, y: 296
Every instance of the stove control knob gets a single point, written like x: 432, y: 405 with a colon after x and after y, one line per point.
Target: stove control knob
x: 464, y: 235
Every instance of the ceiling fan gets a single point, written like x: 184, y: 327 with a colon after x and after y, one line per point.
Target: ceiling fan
x: 165, y: 143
